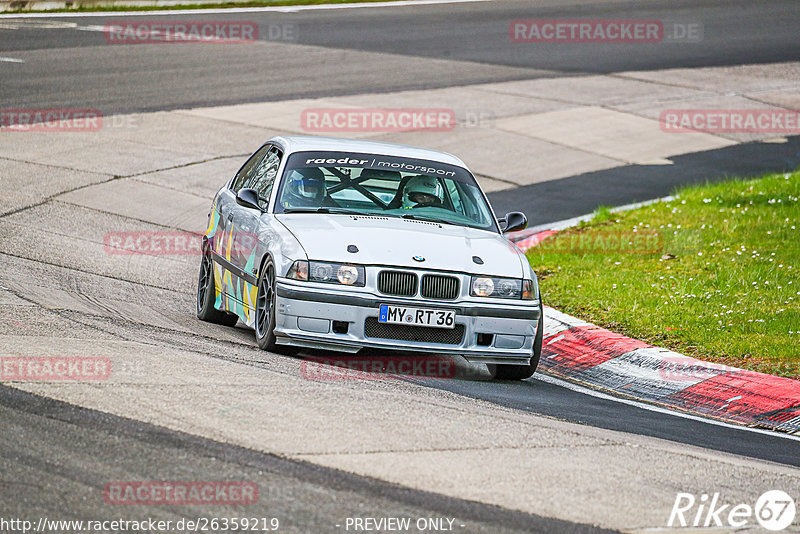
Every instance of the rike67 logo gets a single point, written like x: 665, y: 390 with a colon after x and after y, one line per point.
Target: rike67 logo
x: 774, y: 510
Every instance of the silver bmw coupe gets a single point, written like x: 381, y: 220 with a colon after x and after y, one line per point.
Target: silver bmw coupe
x: 341, y: 244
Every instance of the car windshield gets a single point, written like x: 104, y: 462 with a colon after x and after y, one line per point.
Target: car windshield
x: 369, y: 184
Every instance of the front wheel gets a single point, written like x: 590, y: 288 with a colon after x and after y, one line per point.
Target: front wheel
x: 265, y: 311
x: 521, y: 372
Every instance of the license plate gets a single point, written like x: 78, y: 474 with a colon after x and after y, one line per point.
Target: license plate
x: 416, y: 316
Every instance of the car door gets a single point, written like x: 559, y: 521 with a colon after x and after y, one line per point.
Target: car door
x: 227, y: 245
x: 251, y: 236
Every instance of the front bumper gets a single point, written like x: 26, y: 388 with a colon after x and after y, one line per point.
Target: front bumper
x: 305, y: 315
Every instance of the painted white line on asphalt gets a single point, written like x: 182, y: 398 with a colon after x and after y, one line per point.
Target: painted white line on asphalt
x: 92, y: 28
x: 265, y: 9
x: 653, y: 408
x: 12, y: 60
x: 574, y: 221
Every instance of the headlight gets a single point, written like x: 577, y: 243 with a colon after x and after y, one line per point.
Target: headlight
x: 482, y: 287
x: 320, y: 272
x: 347, y: 275
x: 327, y: 272
x: 503, y: 288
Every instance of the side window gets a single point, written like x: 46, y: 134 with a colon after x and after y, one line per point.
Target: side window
x: 247, y: 170
x: 263, y: 178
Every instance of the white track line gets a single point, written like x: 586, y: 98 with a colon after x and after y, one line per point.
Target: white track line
x: 574, y: 221
x: 653, y: 408
x: 265, y: 9
x: 11, y: 60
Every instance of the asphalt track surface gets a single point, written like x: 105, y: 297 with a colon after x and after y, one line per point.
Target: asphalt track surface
x: 68, y: 67
x: 555, y: 200
x: 553, y: 400
x: 68, y: 64
x: 77, y: 451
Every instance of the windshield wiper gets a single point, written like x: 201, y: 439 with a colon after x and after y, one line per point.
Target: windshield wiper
x: 428, y: 219
x: 322, y: 210
x: 342, y: 211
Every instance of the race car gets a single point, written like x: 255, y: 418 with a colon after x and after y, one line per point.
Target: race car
x: 342, y: 244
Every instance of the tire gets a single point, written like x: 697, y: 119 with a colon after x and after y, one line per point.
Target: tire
x: 521, y: 372
x: 265, y: 312
x: 207, y: 295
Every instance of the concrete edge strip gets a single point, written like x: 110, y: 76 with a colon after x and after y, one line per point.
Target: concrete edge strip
x: 53, y: 4
x: 518, y: 237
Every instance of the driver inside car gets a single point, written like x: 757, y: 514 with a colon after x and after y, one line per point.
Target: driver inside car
x: 306, y: 188
x: 422, y: 191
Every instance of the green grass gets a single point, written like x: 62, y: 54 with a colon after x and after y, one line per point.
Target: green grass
x: 602, y: 214
x: 78, y: 7
x: 722, y: 285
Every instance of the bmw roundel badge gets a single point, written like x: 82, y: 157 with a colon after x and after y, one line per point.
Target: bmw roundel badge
x: 418, y: 258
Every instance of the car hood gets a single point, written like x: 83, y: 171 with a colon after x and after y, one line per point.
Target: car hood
x: 395, y: 241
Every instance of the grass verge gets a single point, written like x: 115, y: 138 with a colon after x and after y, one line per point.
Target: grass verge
x: 712, y: 274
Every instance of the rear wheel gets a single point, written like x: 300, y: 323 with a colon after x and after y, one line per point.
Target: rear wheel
x: 207, y: 294
x: 265, y: 311
x: 521, y: 372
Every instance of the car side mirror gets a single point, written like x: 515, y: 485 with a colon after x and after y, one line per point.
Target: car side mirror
x: 514, y: 221
x: 248, y: 198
